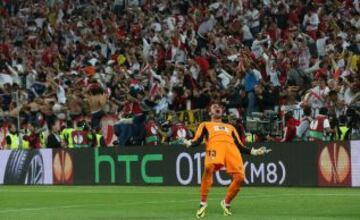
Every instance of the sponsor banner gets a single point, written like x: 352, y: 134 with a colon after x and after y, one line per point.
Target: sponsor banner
x: 334, y: 164
x: 4, y: 156
x: 288, y: 164
x: 26, y: 167
x: 355, y: 163
x: 73, y: 166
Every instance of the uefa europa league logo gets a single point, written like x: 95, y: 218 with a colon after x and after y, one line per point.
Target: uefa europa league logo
x: 334, y: 165
x: 63, y: 168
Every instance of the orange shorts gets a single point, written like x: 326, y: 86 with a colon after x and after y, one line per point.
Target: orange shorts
x: 225, y: 155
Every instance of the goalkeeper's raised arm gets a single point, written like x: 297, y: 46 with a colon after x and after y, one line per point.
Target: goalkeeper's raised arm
x: 243, y: 149
x: 203, y: 132
x: 200, y: 133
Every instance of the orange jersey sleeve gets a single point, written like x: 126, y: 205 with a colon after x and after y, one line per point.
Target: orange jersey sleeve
x: 241, y: 146
x: 237, y: 138
x: 199, y: 134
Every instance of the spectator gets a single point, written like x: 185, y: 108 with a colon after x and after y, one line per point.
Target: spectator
x: 152, y: 131
x: 317, y: 96
x: 247, y: 36
x: 12, y: 138
x: 99, y: 138
x: 75, y: 59
x: 334, y: 105
x: 66, y: 134
x: 302, y: 131
x: 177, y: 130
x: 265, y: 97
x: 54, y: 140
x: 253, y: 16
x: 33, y: 136
x: 343, y: 131
x: 97, y: 100
x: 3, y: 133
x: 320, y: 127
x: 311, y: 22
x: 251, y: 80
x: 82, y: 136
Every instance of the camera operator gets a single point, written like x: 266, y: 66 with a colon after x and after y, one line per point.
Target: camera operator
x: 353, y: 118
x: 289, y: 129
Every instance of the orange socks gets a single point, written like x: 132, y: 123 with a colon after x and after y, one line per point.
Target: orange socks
x: 234, y: 188
x: 207, y: 181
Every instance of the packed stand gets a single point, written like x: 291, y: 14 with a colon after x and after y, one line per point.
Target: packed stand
x: 289, y: 66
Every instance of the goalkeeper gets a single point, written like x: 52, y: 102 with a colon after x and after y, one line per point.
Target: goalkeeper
x: 223, y: 147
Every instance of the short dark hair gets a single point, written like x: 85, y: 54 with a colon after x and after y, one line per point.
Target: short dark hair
x: 342, y: 120
x: 288, y: 115
x: 332, y: 92
x: 52, y: 123
x: 307, y: 110
x: 323, y: 78
x: 323, y: 111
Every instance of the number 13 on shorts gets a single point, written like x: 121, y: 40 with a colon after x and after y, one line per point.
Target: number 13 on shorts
x: 211, y: 154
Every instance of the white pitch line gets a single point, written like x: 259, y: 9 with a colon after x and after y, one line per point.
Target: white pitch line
x: 42, y: 208
x: 172, y: 192
x: 161, y: 202
x: 106, y: 192
x: 96, y: 205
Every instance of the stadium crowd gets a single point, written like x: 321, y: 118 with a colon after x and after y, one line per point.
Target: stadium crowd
x: 297, y: 61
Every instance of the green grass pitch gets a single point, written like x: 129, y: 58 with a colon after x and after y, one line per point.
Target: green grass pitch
x: 135, y: 203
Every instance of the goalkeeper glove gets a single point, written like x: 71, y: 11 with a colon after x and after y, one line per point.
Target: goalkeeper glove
x: 266, y: 151
x: 187, y: 143
x: 259, y: 152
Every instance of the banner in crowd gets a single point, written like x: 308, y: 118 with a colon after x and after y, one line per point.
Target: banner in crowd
x: 3, y: 132
x: 26, y: 167
x: 289, y: 164
x: 191, y: 118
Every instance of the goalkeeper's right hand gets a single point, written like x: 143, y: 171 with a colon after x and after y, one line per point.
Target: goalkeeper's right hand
x: 187, y: 143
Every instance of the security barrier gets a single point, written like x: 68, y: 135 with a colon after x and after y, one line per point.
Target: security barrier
x: 290, y: 164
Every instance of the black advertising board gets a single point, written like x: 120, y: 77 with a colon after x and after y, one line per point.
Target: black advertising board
x: 288, y: 165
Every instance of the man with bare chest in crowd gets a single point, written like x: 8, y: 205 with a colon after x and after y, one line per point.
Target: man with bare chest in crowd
x: 97, y: 100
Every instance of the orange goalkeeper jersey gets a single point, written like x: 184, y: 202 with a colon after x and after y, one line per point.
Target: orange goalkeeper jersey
x: 215, y: 132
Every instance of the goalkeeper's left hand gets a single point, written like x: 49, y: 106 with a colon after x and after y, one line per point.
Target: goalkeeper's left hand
x: 187, y: 143
x: 259, y: 152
